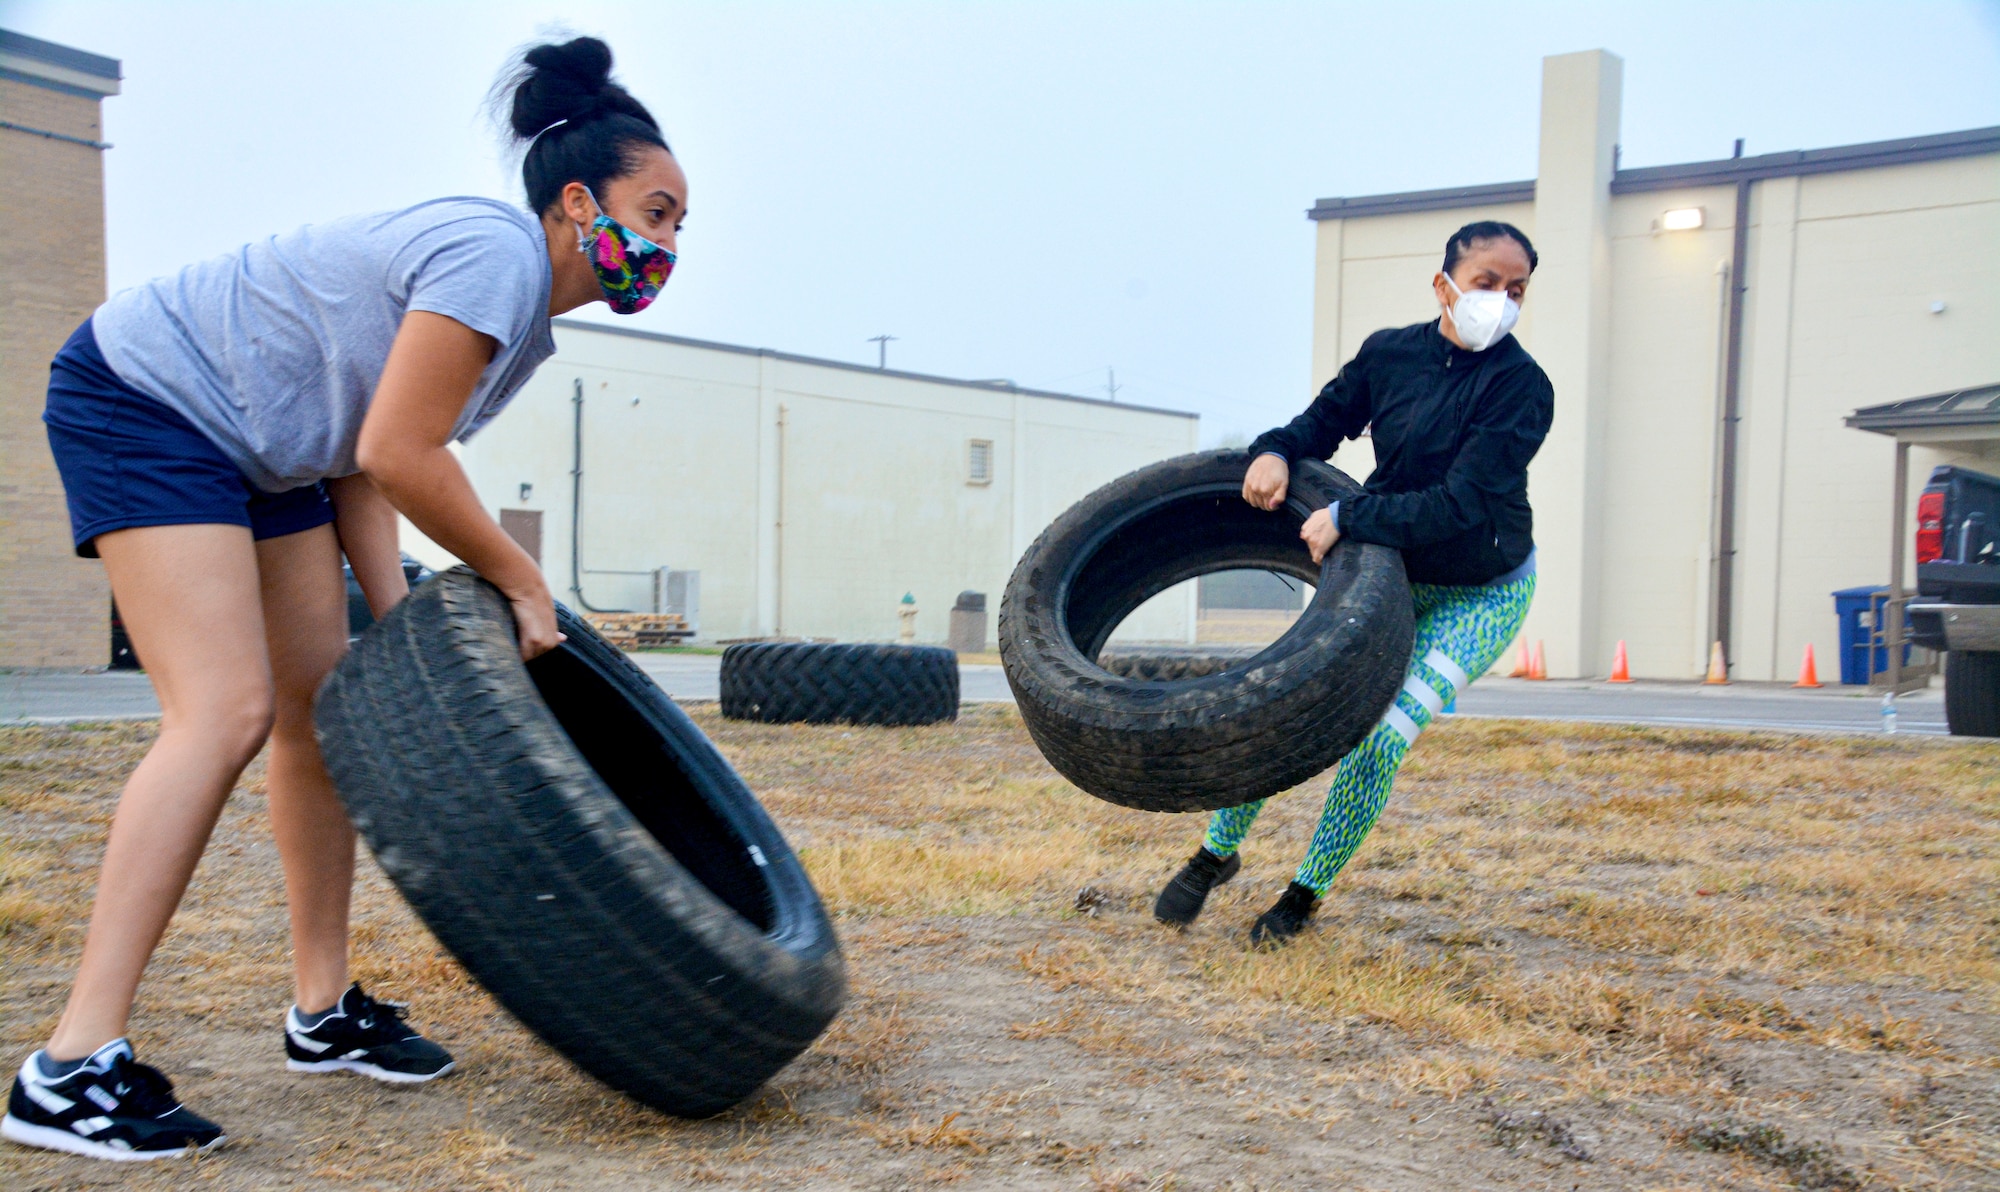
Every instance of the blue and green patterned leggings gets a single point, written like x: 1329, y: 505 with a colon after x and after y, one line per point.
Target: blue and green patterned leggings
x: 1461, y: 631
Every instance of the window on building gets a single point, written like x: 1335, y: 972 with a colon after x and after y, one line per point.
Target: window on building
x: 979, y: 461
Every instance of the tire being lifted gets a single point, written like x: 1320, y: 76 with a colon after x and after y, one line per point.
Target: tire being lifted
x: 573, y: 838
x: 845, y: 683
x: 1258, y: 728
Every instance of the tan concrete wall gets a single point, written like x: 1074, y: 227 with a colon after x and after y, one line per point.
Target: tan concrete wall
x: 1659, y: 444
x: 54, y: 607
x: 1842, y: 271
x: 875, y: 501
x: 1872, y: 251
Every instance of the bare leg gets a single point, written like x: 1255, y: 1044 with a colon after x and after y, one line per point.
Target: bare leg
x: 189, y: 596
x: 305, y: 618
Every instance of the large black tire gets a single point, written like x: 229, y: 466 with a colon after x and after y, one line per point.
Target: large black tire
x: 822, y: 683
x: 1972, y: 693
x: 1167, y: 663
x: 581, y: 847
x: 1248, y: 732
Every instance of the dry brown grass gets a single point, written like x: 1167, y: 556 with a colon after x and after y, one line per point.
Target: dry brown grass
x: 1633, y: 931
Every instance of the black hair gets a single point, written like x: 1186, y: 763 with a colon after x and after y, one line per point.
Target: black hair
x: 1463, y: 241
x: 578, y: 125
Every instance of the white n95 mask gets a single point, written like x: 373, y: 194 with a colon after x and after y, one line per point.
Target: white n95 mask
x: 1483, y: 317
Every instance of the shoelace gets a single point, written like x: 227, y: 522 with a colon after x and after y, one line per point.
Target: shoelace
x: 1202, y: 867
x: 142, y: 1090
x: 379, y: 1016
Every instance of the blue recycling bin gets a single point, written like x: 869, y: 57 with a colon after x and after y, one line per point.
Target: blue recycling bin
x: 1860, y: 611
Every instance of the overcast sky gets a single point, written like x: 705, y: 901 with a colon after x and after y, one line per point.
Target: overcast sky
x: 1031, y: 191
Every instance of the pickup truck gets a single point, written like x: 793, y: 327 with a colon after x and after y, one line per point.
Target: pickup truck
x: 1957, y: 607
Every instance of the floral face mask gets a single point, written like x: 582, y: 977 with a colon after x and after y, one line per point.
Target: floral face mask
x: 630, y: 268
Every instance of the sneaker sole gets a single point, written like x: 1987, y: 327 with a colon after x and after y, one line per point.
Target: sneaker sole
x: 364, y: 1068
x: 52, y: 1138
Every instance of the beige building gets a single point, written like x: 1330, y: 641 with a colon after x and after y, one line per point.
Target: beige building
x: 54, y: 607
x: 1795, y: 287
x: 810, y: 495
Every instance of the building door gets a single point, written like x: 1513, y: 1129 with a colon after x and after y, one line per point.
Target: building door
x: 524, y: 526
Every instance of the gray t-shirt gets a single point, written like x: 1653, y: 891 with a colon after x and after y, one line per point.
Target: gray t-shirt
x: 273, y: 351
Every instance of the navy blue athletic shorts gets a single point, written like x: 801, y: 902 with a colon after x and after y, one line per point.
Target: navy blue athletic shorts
x: 128, y: 460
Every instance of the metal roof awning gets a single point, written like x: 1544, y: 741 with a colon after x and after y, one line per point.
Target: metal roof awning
x: 1956, y: 416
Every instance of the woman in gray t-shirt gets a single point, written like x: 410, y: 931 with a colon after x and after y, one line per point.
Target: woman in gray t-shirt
x: 224, y: 436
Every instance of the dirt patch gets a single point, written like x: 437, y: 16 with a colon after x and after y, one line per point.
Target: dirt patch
x: 1570, y: 956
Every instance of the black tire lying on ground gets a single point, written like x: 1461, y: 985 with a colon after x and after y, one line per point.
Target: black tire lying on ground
x: 573, y: 838
x: 824, y: 683
x: 1248, y: 732
x: 1164, y: 663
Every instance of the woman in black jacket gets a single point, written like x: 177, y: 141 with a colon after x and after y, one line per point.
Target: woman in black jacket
x: 1457, y: 408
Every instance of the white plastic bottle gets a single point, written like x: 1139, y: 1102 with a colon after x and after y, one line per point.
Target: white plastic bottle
x: 1889, y: 713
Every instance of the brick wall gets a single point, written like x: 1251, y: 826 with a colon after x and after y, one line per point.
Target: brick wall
x: 54, y: 607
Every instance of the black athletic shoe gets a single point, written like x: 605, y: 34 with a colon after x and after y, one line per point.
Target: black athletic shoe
x: 1181, y: 901
x: 1278, y: 925
x: 363, y: 1035
x: 111, y: 1108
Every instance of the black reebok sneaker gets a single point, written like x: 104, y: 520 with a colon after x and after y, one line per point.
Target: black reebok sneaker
x: 1278, y: 925
x: 362, y: 1035
x: 1181, y: 901
x: 110, y: 1108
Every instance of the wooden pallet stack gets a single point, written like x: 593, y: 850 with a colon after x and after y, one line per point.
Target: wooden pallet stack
x: 635, y: 631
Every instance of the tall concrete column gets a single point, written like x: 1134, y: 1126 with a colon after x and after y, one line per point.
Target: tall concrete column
x: 1568, y: 328
x: 1329, y: 269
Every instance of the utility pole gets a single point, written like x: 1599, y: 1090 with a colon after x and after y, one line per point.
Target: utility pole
x: 1111, y: 382
x: 881, y: 343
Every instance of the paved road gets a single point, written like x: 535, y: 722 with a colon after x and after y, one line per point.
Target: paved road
x: 48, y: 698
x: 1694, y: 705
x: 1739, y: 705
x: 696, y: 677
x: 124, y: 695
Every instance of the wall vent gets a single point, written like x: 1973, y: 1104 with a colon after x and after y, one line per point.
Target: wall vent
x: 979, y: 461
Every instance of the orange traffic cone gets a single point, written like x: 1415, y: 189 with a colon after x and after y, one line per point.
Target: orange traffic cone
x: 1808, y: 673
x: 1620, y: 671
x: 1718, y: 670
x: 1538, y: 667
x: 1520, y: 670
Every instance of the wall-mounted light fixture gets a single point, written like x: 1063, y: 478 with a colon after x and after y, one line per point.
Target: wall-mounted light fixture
x: 527, y: 493
x: 1683, y: 219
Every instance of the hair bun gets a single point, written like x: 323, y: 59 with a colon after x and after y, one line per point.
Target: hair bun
x: 569, y: 81
x: 603, y: 129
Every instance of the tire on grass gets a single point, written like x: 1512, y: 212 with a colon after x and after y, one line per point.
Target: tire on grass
x: 1166, y: 663
x: 1245, y: 733
x: 573, y: 838
x: 824, y: 683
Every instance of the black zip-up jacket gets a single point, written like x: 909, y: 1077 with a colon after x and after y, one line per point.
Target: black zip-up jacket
x: 1454, y: 431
